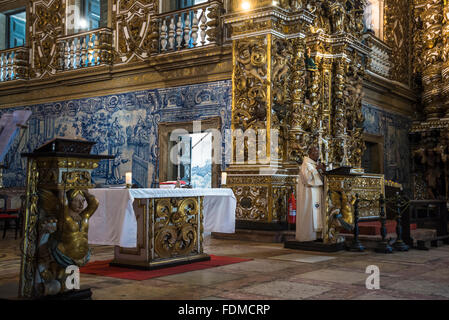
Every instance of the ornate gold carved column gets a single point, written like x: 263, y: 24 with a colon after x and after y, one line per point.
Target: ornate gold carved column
x: 445, y: 58
x: 261, y: 173
x: 298, y: 72
x: 428, y: 17
x: 334, y: 80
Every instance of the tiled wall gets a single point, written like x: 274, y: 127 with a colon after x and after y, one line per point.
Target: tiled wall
x: 395, y: 130
x: 124, y: 125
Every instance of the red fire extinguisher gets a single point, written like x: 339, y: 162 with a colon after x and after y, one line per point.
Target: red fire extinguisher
x: 292, y: 209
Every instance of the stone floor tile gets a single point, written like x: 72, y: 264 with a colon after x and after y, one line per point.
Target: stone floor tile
x: 258, y: 266
x: 298, y: 257
x: 202, y: 277
x: 422, y: 287
x: 377, y: 296
x: 286, y: 290
x: 332, y: 275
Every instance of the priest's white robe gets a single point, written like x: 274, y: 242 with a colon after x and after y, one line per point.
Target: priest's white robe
x: 309, y: 203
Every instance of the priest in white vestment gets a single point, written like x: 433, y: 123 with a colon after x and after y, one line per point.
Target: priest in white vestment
x: 309, y: 205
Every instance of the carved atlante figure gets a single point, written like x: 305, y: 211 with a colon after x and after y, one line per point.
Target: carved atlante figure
x: 63, y: 237
x: 340, y: 215
x: 71, y: 245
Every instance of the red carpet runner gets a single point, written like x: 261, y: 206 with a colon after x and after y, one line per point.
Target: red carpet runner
x: 102, y: 268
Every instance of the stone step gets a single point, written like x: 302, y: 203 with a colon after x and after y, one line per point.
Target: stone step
x: 270, y: 236
x: 423, y: 238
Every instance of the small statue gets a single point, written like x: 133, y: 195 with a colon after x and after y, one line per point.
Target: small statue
x: 338, y: 17
x: 310, y: 62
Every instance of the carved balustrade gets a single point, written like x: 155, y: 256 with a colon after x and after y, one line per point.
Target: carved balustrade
x: 193, y: 27
x: 14, y: 64
x: 379, y: 58
x: 87, y: 49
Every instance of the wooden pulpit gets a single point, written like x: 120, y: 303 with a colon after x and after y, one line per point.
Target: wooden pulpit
x: 58, y: 208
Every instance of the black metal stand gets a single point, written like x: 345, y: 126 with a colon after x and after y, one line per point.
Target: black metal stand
x: 356, y: 245
x: 399, y: 244
x: 383, y: 246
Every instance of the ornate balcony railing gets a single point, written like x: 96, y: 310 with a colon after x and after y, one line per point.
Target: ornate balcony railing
x: 379, y: 59
x: 193, y: 27
x: 14, y: 64
x: 87, y: 49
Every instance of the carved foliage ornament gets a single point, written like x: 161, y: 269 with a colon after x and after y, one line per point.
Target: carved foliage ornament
x: 282, y: 55
x: 250, y: 78
x: 176, y: 227
x: 252, y: 202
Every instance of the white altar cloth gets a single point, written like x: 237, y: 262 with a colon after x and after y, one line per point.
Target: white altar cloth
x: 114, y: 222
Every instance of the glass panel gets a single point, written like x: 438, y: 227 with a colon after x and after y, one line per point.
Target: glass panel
x: 85, y: 15
x: 172, y: 5
x: 201, y: 164
x: 196, y: 160
x: 184, y: 4
x: 92, y: 13
x: 186, y: 159
x: 17, y: 24
x: 373, y: 17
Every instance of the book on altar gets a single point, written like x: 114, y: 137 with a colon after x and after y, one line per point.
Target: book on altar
x: 170, y: 184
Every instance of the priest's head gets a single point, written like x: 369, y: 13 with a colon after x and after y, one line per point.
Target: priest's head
x: 314, y: 153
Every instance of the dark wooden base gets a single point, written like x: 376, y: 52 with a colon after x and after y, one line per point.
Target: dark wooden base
x: 254, y: 225
x: 384, y: 247
x: 83, y: 294
x: 400, y: 246
x: 139, y: 265
x: 314, y: 246
x: 356, y: 246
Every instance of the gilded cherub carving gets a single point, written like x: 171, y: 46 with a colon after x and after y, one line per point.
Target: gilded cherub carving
x: 63, y: 236
x: 340, y: 214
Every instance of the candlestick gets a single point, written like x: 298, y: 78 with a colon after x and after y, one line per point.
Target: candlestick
x: 129, y: 179
x: 224, y: 175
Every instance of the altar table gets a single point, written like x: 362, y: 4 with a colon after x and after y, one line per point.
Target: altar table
x: 156, y: 226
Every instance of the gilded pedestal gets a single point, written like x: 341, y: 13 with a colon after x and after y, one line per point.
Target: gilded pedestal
x: 169, y: 232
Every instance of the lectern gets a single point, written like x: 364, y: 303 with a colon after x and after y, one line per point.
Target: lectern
x: 342, y: 188
x: 58, y: 208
